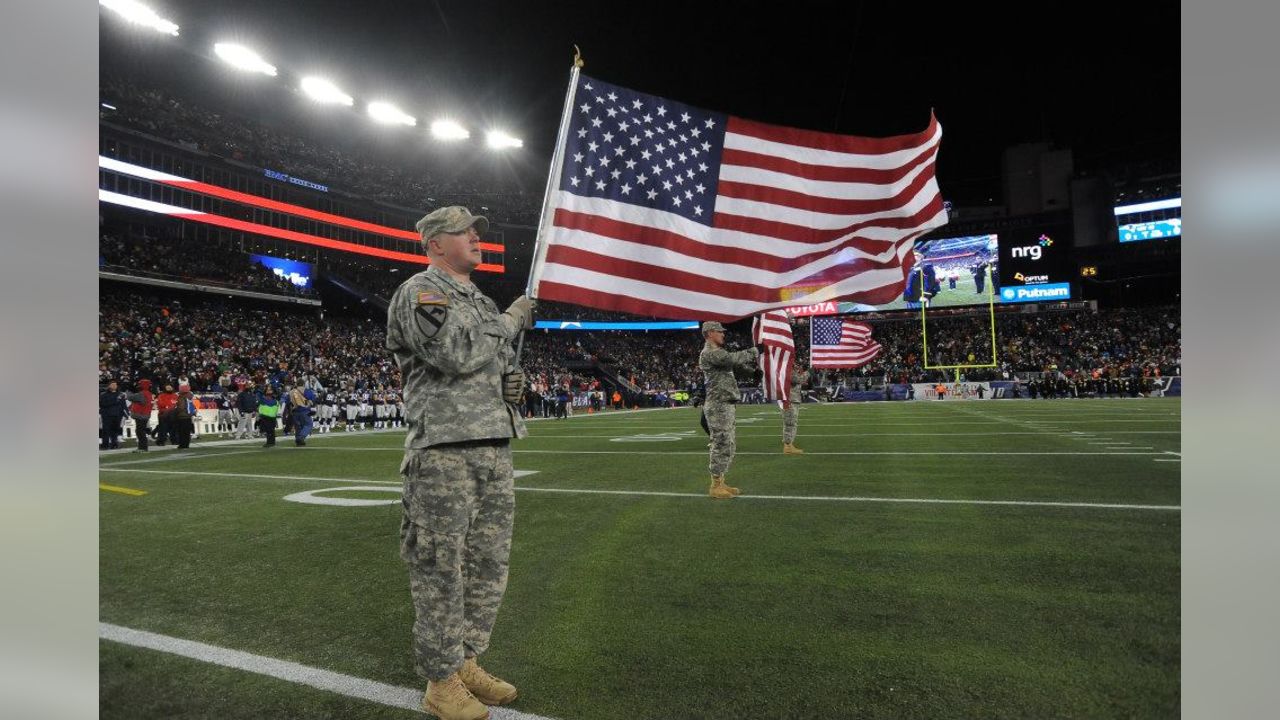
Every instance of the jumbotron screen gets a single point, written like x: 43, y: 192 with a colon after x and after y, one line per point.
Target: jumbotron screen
x: 949, y: 272
x: 1153, y: 220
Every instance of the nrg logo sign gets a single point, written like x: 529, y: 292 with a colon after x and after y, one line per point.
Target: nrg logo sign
x: 1032, y: 251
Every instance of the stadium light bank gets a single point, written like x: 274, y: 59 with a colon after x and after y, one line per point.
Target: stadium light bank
x: 389, y: 114
x: 499, y: 140
x: 322, y: 90
x: 449, y: 130
x: 139, y: 14
x: 243, y: 58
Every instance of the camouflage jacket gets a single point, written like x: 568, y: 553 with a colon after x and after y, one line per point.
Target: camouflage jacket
x: 798, y: 379
x: 452, y: 346
x: 717, y: 366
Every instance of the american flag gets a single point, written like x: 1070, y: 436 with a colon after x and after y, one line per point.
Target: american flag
x: 838, y: 343
x: 773, y: 330
x: 663, y: 209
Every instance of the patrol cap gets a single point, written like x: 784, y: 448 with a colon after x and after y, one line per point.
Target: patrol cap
x: 452, y: 219
x: 711, y: 325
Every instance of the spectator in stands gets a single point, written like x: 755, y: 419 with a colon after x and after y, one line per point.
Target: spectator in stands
x: 112, y: 407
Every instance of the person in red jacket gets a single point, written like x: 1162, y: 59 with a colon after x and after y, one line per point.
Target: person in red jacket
x: 141, y: 404
x: 166, y: 403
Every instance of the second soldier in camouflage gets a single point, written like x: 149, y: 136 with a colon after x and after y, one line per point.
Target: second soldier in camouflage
x: 717, y: 366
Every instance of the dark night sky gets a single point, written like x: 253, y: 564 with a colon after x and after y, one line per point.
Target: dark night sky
x: 1102, y: 80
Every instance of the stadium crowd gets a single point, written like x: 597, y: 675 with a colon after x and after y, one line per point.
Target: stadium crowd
x: 215, y: 343
x: 1116, y: 342
x: 187, y: 122
x: 190, y: 261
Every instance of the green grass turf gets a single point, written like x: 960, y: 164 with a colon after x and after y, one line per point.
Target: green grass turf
x: 965, y: 293
x: 637, y: 606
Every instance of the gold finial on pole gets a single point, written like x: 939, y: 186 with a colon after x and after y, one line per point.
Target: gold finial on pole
x: 578, y: 62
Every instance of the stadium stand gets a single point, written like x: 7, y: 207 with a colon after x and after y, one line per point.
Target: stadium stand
x: 189, y: 261
x: 161, y: 113
x: 208, y: 337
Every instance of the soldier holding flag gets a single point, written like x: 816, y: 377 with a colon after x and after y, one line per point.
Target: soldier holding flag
x: 717, y: 366
x: 461, y: 390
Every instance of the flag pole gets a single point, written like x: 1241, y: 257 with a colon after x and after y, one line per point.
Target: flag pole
x: 553, y: 182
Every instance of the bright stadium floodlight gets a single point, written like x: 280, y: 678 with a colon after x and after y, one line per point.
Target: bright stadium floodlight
x: 243, y: 58
x: 449, y: 130
x: 322, y: 90
x: 139, y: 14
x: 390, y: 114
x: 499, y: 140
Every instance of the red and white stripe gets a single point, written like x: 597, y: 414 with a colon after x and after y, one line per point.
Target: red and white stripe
x: 195, y: 186
x: 773, y: 330
x: 794, y: 208
x: 855, y: 349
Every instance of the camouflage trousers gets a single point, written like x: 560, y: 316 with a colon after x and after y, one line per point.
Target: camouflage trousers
x: 790, y: 414
x: 721, y: 419
x: 455, y: 537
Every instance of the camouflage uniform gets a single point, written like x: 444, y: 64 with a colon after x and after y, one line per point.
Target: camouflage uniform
x: 722, y: 395
x: 453, y: 346
x: 790, y: 413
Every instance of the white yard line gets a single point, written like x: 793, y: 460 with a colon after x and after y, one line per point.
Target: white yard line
x: 656, y: 493
x: 319, y: 678
x: 184, y: 456
x: 818, y: 498
x: 253, y: 476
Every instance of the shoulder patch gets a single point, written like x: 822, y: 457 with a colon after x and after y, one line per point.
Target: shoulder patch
x: 430, y: 318
x: 429, y: 297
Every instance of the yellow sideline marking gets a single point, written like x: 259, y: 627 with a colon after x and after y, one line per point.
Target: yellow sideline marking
x: 121, y: 490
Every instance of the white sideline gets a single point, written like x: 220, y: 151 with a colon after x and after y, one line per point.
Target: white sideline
x: 816, y: 452
x: 656, y: 493
x: 1118, y: 451
x: 353, y: 687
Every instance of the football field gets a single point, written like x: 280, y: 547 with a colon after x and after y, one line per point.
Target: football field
x: 923, y: 560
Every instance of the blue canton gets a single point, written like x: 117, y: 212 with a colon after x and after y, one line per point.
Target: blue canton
x: 643, y: 150
x: 827, y: 331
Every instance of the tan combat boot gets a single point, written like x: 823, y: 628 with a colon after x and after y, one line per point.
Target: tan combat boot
x: 449, y: 699
x: 720, y: 491
x: 791, y: 449
x: 487, y: 688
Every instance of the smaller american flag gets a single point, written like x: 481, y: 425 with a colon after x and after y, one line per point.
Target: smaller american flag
x: 838, y: 343
x: 773, y: 330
